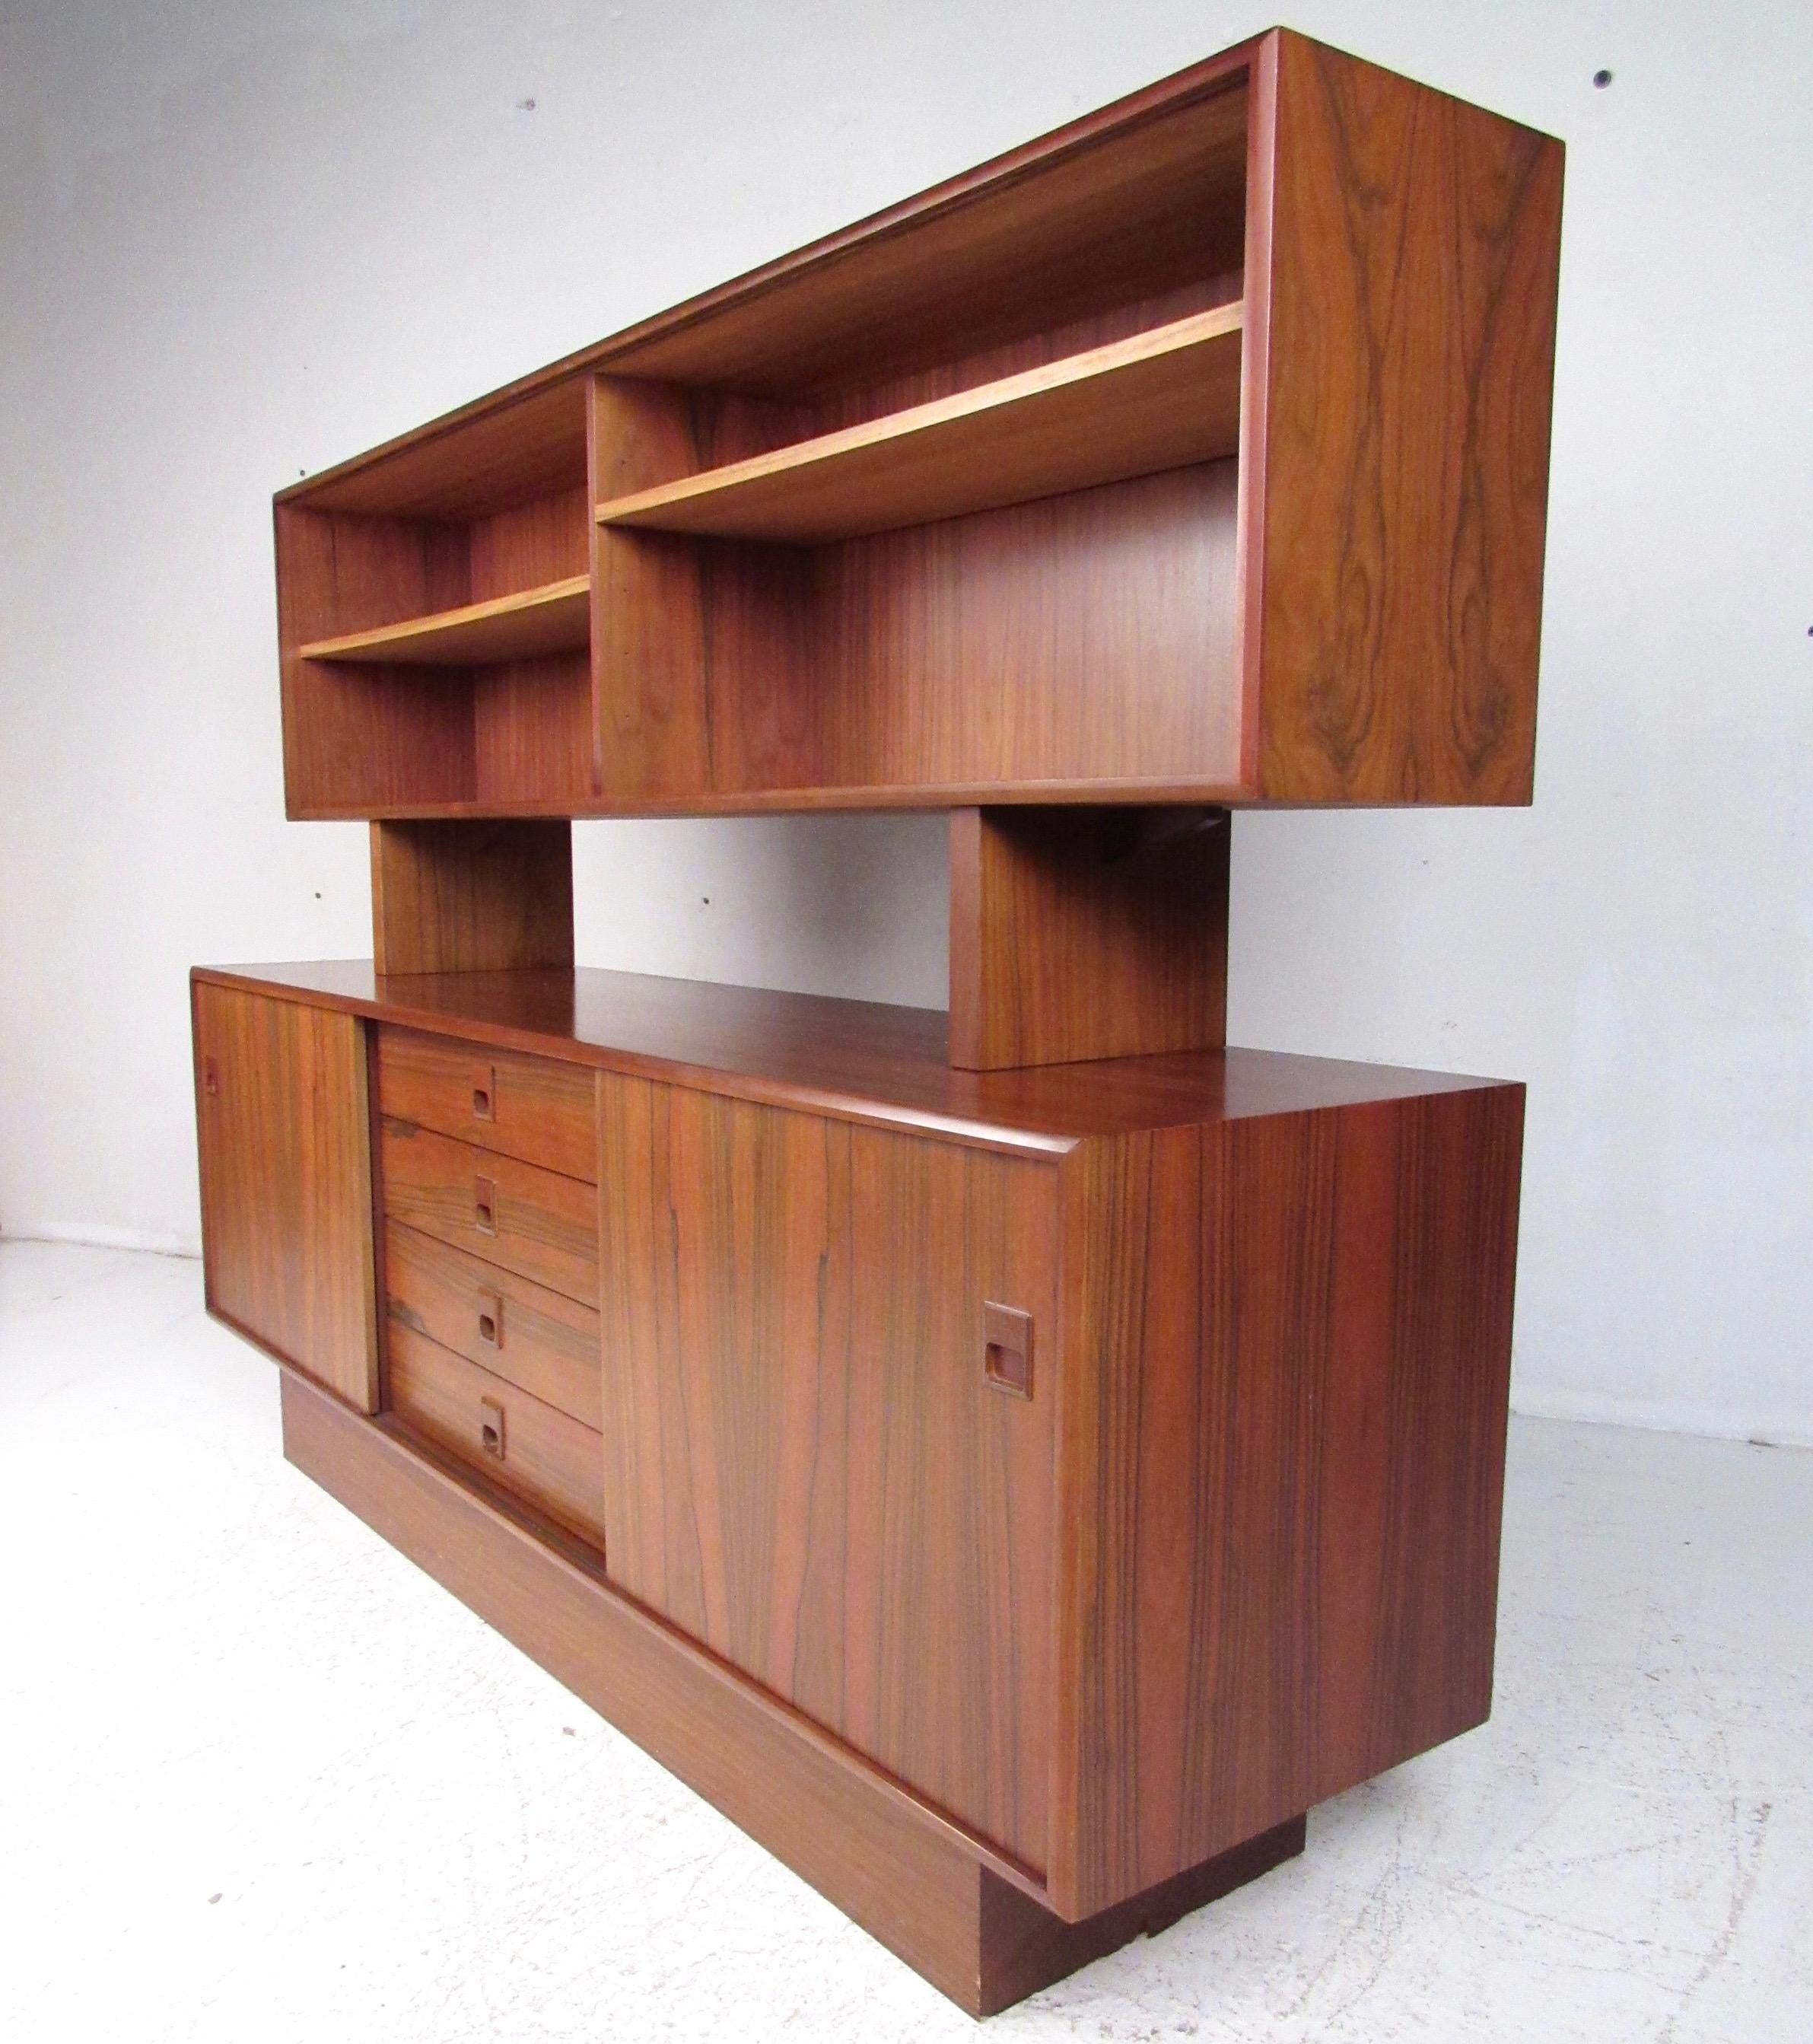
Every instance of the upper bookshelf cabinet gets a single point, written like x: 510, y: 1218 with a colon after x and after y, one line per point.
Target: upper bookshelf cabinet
x: 1197, y: 453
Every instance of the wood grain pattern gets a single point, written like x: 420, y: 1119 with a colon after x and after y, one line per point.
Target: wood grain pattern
x: 528, y: 546
x: 540, y: 1341
x: 471, y: 896
x: 1081, y: 935
x: 281, y: 1111
x: 932, y: 1896
x: 1410, y: 311
x: 857, y: 1060
x: 1165, y: 398
x: 537, y: 1451
x: 540, y: 1109
x: 536, y: 1222
x: 806, y: 1470
x: 1085, y: 635
x: 1281, y: 1468
x: 533, y: 737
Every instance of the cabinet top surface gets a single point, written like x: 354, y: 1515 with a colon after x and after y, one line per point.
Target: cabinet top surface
x: 857, y: 1059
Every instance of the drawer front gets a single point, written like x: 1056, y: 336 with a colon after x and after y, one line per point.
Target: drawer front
x: 543, y: 1455
x: 533, y: 1222
x: 534, y: 1338
x: 535, y: 1109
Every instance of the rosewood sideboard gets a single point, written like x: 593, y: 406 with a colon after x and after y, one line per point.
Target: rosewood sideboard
x: 1014, y: 1461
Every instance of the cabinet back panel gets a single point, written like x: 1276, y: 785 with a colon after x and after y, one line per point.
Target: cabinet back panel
x: 1090, y: 636
x: 544, y: 540
x: 531, y: 730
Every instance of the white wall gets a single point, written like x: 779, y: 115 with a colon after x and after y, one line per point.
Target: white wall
x: 238, y: 244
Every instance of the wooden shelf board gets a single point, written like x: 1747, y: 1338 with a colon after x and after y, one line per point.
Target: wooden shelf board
x: 1162, y: 399
x: 555, y: 618
x: 920, y: 797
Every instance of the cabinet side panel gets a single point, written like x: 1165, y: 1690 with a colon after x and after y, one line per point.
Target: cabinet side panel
x: 806, y: 1470
x: 1282, y: 1468
x: 1414, y: 251
x: 286, y: 1182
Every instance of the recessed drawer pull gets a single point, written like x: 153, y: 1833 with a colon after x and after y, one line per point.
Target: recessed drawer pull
x: 514, y: 1216
x: 491, y: 1318
x: 1007, y: 1349
x: 491, y: 1428
x: 485, y: 1097
x: 548, y: 1458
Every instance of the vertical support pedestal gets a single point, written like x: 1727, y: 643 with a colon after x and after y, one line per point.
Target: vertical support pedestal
x: 1081, y: 933
x: 459, y: 897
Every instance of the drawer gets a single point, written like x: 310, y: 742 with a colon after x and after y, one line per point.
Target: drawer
x: 535, y: 1109
x: 536, y: 1339
x: 543, y: 1455
x: 533, y: 1222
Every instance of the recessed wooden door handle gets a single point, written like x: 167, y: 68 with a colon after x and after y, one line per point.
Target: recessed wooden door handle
x: 1007, y: 1351
x: 491, y: 1428
x: 491, y: 1318
x: 485, y: 1205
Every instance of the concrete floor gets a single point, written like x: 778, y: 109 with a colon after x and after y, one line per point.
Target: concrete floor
x: 265, y: 1781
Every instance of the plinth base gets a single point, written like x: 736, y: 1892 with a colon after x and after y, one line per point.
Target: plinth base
x: 936, y: 1897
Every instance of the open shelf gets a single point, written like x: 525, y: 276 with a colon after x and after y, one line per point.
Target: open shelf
x: 555, y: 618
x: 1060, y: 481
x: 1165, y: 398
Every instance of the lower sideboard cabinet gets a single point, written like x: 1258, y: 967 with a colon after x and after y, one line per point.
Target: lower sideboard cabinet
x: 1090, y: 1504
x: 1217, y: 1539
